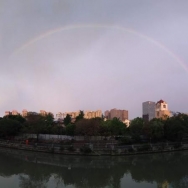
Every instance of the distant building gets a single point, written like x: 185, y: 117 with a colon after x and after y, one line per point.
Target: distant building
x: 14, y: 112
x: 24, y: 113
x: 32, y: 113
x: 7, y: 113
x: 161, y: 110
x: 43, y: 113
x: 72, y: 114
x: 148, y: 110
x: 122, y: 115
x: 92, y: 114
x: 60, y: 115
x: 87, y: 114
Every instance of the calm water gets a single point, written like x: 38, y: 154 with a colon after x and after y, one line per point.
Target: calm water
x: 38, y: 170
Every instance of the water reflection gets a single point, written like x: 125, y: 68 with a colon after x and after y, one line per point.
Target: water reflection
x: 34, y: 170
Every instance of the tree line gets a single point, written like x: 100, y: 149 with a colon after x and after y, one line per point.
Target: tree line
x: 173, y: 128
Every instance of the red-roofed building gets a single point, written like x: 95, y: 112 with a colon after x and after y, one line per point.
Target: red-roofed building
x: 161, y: 110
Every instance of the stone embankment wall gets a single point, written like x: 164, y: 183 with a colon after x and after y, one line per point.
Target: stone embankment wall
x: 102, y: 147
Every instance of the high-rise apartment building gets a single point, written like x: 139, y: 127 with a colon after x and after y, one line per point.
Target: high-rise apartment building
x: 92, y: 114
x: 115, y: 113
x: 14, y: 112
x: 148, y: 110
x: 87, y: 114
x: 24, y: 113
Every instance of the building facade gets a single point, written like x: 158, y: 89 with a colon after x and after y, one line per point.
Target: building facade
x: 92, y: 114
x: 87, y: 114
x: 14, y: 112
x: 148, y: 110
x: 161, y: 110
x: 116, y: 113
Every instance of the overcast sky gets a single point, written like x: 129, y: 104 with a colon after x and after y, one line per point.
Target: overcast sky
x: 69, y: 55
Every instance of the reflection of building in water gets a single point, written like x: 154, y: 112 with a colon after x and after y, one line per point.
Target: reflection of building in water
x: 164, y: 184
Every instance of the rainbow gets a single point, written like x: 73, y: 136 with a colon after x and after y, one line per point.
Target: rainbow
x: 71, y: 27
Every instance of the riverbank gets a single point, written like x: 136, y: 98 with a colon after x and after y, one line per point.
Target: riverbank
x: 98, y: 149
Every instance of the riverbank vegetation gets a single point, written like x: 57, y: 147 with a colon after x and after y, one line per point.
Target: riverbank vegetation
x: 173, y: 128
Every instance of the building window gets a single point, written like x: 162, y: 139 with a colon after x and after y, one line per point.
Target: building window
x: 164, y: 106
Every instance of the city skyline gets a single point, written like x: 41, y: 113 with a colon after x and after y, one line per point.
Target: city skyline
x: 150, y: 110
x: 67, y: 56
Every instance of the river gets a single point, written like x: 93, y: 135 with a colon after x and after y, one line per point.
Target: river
x: 41, y: 170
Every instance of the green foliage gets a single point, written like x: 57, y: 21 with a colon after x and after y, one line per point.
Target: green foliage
x: 9, y: 127
x: 70, y: 129
x: 80, y: 116
x: 112, y: 127
x: 67, y: 119
x: 117, y: 127
x: 157, y: 129
x: 176, y: 127
x: 88, y: 127
x: 35, y: 124
x: 105, y: 128
x: 18, y: 118
x: 136, y: 128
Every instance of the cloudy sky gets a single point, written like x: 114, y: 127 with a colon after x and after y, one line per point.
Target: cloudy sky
x: 69, y: 55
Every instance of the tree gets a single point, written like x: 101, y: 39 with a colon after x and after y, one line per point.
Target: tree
x: 105, y: 128
x: 136, y: 128
x: 35, y: 124
x: 176, y: 127
x: 9, y: 127
x: 157, y: 129
x: 80, y: 116
x: 88, y: 127
x: 48, y: 120
x: 117, y: 127
x: 70, y: 129
x: 18, y: 118
x: 67, y: 119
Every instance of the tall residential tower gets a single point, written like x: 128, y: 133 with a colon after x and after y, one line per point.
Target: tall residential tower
x: 148, y: 110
